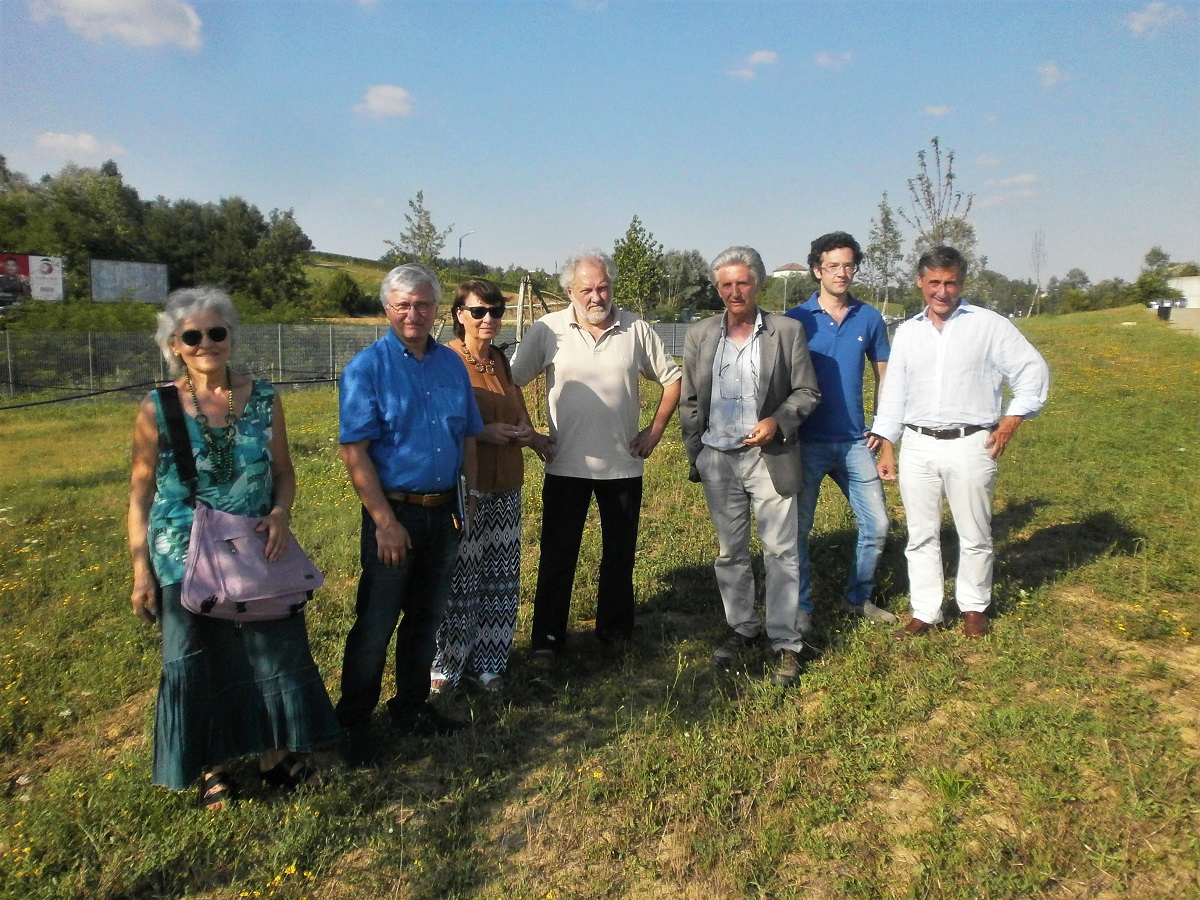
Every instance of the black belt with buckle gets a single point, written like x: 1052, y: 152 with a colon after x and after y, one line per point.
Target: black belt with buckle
x: 420, y: 499
x: 949, y: 434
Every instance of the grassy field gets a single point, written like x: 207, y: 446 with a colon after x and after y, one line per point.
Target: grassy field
x: 1057, y: 758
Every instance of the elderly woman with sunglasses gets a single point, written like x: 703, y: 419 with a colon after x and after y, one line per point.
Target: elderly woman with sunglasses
x: 227, y: 689
x: 477, y: 633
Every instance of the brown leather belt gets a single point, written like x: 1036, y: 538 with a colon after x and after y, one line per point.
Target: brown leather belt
x: 949, y: 434
x: 420, y: 499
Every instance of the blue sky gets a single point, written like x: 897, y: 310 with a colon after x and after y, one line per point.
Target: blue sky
x: 543, y: 126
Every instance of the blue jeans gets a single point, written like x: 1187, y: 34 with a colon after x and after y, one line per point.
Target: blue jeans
x: 852, y: 467
x: 419, y: 589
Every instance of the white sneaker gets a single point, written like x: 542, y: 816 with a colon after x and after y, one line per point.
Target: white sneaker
x: 870, y: 612
x: 491, y: 681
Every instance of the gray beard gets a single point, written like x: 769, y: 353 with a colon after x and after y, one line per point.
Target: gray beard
x: 594, y: 316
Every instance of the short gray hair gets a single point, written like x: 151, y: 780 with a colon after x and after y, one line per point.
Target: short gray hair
x: 185, y: 303
x: 942, y: 257
x: 567, y: 277
x: 746, y: 256
x: 406, y: 279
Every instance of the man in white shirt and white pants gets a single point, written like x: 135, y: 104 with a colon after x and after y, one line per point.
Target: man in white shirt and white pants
x: 943, y: 393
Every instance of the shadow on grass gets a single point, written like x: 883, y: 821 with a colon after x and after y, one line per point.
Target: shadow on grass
x: 1051, y: 552
x: 1028, y: 562
x: 443, y: 794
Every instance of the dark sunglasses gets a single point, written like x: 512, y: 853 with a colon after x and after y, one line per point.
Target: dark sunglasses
x: 478, y: 312
x: 193, y: 336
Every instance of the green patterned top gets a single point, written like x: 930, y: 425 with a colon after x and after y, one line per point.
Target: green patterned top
x: 249, y: 494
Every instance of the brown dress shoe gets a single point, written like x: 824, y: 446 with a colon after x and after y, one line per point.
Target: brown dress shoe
x: 913, y: 628
x: 975, y: 624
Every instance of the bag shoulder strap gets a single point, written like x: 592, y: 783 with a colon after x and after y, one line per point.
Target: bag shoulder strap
x: 181, y: 444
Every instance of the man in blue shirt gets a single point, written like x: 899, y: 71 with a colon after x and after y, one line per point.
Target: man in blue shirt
x: 408, y: 418
x: 843, y: 335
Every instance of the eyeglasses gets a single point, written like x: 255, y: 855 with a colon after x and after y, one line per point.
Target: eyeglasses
x: 421, y: 308
x: 834, y: 268
x: 478, y: 312
x: 193, y: 336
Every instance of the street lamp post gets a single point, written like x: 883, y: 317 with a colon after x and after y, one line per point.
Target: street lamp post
x: 460, y: 240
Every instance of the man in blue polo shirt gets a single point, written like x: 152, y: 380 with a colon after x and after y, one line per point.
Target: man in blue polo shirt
x: 843, y: 335
x: 408, y: 421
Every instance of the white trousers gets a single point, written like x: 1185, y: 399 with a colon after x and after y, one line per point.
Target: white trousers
x: 734, y: 481
x: 961, y: 471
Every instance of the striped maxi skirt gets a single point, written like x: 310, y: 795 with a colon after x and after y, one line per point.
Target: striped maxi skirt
x: 481, y: 616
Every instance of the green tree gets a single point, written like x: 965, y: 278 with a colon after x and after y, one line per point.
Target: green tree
x: 1156, y: 260
x: 341, y: 295
x: 685, y: 283
x: 939, y: 211
x: 883, y: 254
x: 936, y: 203
x: 279, y: 262
x: 421, y: 241
x: 639, y: 260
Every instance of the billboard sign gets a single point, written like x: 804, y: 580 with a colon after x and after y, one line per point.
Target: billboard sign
x: 30, y: 278
x: 114, y: 281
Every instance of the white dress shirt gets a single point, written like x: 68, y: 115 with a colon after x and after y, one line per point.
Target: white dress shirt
x: 954, y: 377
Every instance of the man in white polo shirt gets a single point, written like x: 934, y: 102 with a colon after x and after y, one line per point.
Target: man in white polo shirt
x: 944, y: 394
x: 592, y: 353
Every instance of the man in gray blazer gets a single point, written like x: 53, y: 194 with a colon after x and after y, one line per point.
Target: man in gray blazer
x: 748, y: 383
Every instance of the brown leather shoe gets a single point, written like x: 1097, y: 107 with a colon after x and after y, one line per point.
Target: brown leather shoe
x: 914, y: 628
x: 975, y: 624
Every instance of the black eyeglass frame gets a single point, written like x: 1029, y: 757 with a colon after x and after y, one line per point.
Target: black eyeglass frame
x: 478, y: 312
x: 218, y: 334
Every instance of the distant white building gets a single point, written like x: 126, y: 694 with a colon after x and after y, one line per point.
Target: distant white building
x: 1189, y: 286
x: 791, y: 270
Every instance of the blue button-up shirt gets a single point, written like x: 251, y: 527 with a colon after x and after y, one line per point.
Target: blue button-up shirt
x: 839, y: 354
x: 415, y: 412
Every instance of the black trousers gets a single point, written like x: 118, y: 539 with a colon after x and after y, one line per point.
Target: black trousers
x: 564, y: 510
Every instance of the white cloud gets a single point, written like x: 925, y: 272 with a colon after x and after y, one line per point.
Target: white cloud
x: 748, y: 71
x: 1152, y: 17
x: 1005, y: 199
x: 988, y: 162
x: 385, y: 100
x: 835, y: 61
x: 938, y: 111
x: 79, y: 148
x: 1013, y: 180
x: 1050, y: 74
x: 140, y: 23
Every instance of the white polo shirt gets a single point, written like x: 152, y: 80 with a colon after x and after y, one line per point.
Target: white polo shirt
x: 592, y: 389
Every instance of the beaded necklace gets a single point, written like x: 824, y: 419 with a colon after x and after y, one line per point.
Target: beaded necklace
x: 486, y: 368
x: 220, y: 442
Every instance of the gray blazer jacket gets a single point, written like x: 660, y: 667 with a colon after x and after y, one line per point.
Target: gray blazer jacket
x: 787, y: 390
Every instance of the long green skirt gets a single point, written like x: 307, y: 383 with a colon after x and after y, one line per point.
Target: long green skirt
x: 229, y: 690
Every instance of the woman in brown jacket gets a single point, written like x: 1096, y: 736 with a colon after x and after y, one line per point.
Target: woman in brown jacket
x: 476, y: 636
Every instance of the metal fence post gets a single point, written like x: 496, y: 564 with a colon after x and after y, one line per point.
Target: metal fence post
x: 91, y: 371
x: 331, y: 351
x: 279, y: 347
x: 12, y: 388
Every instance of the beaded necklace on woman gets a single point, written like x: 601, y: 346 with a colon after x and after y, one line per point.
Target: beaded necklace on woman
x: 219, y: 441
x: 487, y: 367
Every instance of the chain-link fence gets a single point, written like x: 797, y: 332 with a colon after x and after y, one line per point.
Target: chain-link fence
x: 61, y: 365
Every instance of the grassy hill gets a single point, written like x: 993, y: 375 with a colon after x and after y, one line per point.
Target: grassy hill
x: 1058, y: 757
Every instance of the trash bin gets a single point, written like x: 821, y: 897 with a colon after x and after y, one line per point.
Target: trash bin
x: 1164, y: 312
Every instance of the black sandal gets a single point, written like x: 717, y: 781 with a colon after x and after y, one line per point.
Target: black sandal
x: 217, y: 791
x: 290, y: 773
